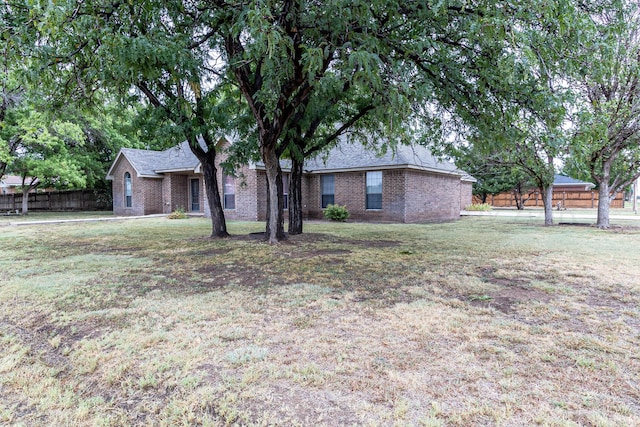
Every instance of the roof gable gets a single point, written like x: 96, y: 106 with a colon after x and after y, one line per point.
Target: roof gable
x: 151, y: 163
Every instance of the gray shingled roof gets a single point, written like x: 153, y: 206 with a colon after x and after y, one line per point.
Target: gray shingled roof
x: 149, y: 163
x: 350, y: 156
x: 560, y: 180
x: 178, y: 158
x: 345, y: 156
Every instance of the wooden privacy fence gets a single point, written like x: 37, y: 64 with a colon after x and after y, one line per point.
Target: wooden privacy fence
x: 567, y: 199
x: 73, y: 200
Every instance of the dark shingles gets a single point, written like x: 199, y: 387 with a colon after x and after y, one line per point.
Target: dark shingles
x: 347, y: 156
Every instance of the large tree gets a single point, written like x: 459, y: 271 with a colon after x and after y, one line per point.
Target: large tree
x: 607, y: 140
x: 158, y: 51
x: 16, y: 40
x: 449, y: 58
x: 47, y: 153
x: 528, y: 127
x: 444, y: 58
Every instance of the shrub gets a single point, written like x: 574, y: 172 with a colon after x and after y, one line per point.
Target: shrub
x: 336, y: 213
x: 179, y: 213
x: 479, y: 207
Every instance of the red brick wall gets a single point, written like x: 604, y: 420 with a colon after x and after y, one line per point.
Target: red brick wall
x: 429, y: 197
x: 246, y: 189
x: 310, y: 194
x: 137, y: 194
x: 349, y: 191
x: 466, y: 194
x: 432, y: 197
x: 179, y: 192
x: 151, y: 192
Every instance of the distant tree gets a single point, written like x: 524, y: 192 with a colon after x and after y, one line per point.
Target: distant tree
x: 44, y: 154
x: 607, y: 139
x: 159, y: 52
x: 528, y: 128
x: 106, y: 128
x: 493, y: 173
x: 15, y: 41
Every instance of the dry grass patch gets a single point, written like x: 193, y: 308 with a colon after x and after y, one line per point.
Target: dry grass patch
x: 478, y: 322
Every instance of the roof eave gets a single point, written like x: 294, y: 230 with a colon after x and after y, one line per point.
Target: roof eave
x: 190, y: 170
x: 587, y: 185
x: 387, y: 167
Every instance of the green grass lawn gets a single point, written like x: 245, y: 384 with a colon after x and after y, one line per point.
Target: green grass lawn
x: 483, y: 321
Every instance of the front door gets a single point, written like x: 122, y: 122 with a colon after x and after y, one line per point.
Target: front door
x: 195, y: 195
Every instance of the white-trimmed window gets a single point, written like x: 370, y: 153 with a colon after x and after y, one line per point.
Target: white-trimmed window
x: 327, y: 190
x: 374, y: 190
x: 195, y: 195
x: 128, y: 202
x: 229, y: 192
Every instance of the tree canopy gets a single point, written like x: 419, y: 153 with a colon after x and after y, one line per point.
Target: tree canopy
x: 606, y: 145
x: 287, y: 76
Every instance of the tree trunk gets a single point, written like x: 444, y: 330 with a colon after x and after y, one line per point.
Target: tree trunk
x: 517, y: 195
x: 603, y: 203
x: 295, y: 197
x: 547, y: 201
x: 210, y: 174
x: 275, y: 217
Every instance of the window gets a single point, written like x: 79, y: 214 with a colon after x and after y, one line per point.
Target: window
x: 374, y: 190
x: 285, y: 190
x: 229, y: 190
x: 326, y: 187
x: 127, y: 190
x: 195, y: 195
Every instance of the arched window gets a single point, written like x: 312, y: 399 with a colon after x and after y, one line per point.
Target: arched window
x: 127, y: 189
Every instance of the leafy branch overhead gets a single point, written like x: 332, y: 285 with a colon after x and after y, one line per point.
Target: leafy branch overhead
x: 290, y: 77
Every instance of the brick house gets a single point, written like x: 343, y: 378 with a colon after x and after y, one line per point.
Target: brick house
x: 406, y: 185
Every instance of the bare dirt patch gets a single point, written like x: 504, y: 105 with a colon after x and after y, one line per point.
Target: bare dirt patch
x: 506, y: 300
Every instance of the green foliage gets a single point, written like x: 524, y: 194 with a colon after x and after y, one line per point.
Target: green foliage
x: 605, y: 147
x: 178, y: 213
x: 492, y: 169
x: 336, y: 213
x: 479, y: 207
x: 44, y: 150
x: 304, y: 73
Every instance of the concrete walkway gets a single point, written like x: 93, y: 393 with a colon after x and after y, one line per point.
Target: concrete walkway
x: 558, y: 216
x: 65, y: 221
